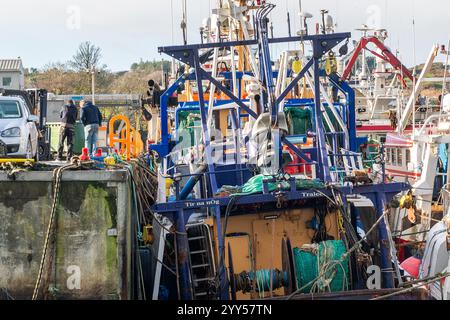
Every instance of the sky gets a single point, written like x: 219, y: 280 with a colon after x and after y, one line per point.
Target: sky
x: 44, y: 31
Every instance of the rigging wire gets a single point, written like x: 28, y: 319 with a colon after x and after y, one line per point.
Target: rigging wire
x: 172, y: 21
x: 419, y: 285
x: 415, y: 66
x: 6, y: 294
x: 386, y: 5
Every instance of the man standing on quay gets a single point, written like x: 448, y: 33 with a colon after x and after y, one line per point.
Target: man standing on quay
x: 68, y: 115
x: 92, y: 120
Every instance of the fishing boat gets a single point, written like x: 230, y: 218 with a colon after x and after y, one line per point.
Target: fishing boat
x: 262, y: 189
x: 413, y: 134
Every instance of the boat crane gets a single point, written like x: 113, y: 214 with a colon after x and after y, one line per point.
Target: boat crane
x: 385, y: 54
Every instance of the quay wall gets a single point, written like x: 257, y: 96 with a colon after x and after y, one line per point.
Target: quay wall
x: 92, y: 252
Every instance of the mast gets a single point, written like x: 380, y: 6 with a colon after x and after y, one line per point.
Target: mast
x: 444, y: 89
x: 409, y: 109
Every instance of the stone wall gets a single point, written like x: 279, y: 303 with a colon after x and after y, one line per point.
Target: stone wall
x: 91, y: 254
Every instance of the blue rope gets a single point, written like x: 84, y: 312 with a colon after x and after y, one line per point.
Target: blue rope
x: 279, y: 279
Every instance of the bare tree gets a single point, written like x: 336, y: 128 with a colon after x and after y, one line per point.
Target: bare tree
x: 87, y: 57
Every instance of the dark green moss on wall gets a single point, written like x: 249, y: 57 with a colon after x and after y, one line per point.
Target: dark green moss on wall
x: 87, y: 212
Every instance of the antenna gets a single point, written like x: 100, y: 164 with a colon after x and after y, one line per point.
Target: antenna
x: 323, y: 12
x: 184, y: 21
x: 289, y: 24
x: 304, y: 16
x: 364, y: 68
x: 365, y: 30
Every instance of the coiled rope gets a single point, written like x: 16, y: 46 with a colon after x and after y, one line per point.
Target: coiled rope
x: 265, y: 280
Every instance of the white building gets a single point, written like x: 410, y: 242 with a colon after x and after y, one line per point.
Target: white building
x: 12, y: 75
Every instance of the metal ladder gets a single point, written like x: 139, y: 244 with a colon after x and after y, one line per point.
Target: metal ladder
x: 203, y: 269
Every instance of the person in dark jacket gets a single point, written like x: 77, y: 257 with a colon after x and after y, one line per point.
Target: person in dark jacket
x: 92, y: 120
x: 68, y: 115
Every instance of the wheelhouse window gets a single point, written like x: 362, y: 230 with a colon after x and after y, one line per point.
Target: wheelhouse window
x: 9, y: 110
x: 400, y: 157
x: 7, y: 81
x: 388, y: 155
x: 408, y: 156
x: 394, y: 157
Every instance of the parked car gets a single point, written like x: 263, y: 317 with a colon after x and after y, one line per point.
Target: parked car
x: 18, y: 129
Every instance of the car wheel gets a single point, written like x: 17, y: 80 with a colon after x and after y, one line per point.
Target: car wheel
x: 29, y: 151
x: 43, y: 152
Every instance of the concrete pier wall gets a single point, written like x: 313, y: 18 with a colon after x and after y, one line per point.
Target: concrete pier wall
x: 92, y: 252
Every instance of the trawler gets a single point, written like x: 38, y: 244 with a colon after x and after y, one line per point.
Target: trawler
x: 412, y: 134
x: 263, y: 193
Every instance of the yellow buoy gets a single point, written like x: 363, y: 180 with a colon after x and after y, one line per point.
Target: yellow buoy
x: 110, y: 161
x: 297, y: 66
x: 169, y: 183
x: 331, y: 65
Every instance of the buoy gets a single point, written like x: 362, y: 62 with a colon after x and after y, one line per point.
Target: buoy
x: 330, y: 65
x: 99, y: 153
x: 295, y: 160
x: 297, y: 65
x: 412, y: 266
x: 110, y: 160
x: 169, y: 183
x: 85, y: 155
